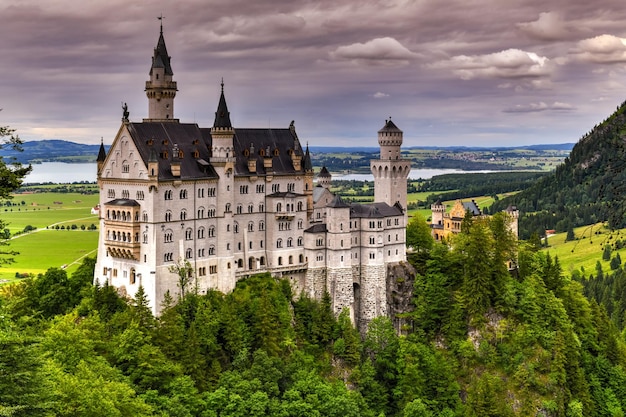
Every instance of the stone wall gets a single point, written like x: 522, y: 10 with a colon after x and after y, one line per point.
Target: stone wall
x: 400, y: 280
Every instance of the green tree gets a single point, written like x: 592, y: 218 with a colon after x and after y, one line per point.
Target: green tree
x: 418, y: 234
x: 183, y: 269
x: 12, y: 174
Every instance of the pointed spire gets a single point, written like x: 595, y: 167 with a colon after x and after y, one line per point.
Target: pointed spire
x: 222, y: 115
x: 101, y: 153
x: 308, y: 165
x: 161, y: 59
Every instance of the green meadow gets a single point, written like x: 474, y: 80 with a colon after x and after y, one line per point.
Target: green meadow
x: 583, y: 253
x: 51, y: 244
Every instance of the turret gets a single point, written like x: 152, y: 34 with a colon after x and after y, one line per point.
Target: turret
x: 101, y: 156
x: 324, y: 178
x: 391, y: 170
x: 437, y: 212
x: 161, y: 89
x: 222, y: 132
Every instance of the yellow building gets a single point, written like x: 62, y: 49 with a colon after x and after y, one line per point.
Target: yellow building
x: 445, y: 224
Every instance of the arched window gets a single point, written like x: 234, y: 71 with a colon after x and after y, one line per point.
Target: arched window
x: 279, y: 207
x: 168, y: 216
x: 279, y: 243
x: 261, y: 225
x: 289, y: 242
x: 299, y: 205
x: 188, y: 254
x: 212, y: 231
x: 300, y: 241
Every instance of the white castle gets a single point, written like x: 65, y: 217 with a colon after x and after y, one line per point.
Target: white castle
x: 232, y: 202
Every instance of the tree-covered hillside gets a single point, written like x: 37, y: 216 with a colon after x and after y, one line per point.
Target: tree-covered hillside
x: 587, y: 188
x: 479, y: 342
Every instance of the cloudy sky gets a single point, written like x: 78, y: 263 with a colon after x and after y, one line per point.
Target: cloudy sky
x: 448, y: 72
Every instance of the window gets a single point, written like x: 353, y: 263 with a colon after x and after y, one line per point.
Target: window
x: 212, y: 231
x: 251, y: 227
x: 145, y: 238
x: 280, y: 260
x: 139, y: 195
x: 301, y: 258
x: 250, y: 208
x: 211, y: 192
x: 372, y: 255
x: 279, y: 243
x: 183, y: 214
x: 291, y: 187
x: 211, y: 250
x: 111, y: 193
x: 183, y: 194
x: 372, y: 240
x: 202, y: 271
x: 168, y: 257
x: 168, y: 216
x: 300, y: 241
x: 239, y: 246
x: 290, y: 259
x: 211, y: 212
x: 261, y: 208
x: 125, y: 194
x: 289, y: 243
x: 188, y: 254
x: 279, y: 207
x: 300, y: 205
x: 236, y: 227
x: 275, y: 188
x: 201, y: 253
x: 188, y: 234
x: 125, y: 167
x: 260, y: 188
x: 300, y: 224
x: 200, y: 192
x: 145, y: 216
x: 168, y: 194
x: 239, y: 208
x: 168, y: 237
x: 319, y: 242
x: 201, y: 233
x: 213, y: 269
x: 227, y: 208
x: 243, y: 189
x: 201, y: 213
x: 261, y: 225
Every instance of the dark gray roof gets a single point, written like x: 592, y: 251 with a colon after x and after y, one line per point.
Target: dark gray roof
x: 324, y: 173
x: 276, y: 141
x: 222, y: 115
x: 122, y: 202
x: 472, y: 207
x: 373, y: 210
x: 287, y: 194
x: 389, y: 127
x: 307, y: 164
x: 337, y: 202
x: 101, y: 153
x: 161, y: 138
x: 161, y: 59
x: 317, y: 228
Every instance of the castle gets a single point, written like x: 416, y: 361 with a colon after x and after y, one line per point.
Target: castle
x: 443, y: 224
x: 228, y: 202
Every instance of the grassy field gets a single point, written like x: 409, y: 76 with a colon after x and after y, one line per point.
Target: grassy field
x: 583, y: 253
x: 45, y: 248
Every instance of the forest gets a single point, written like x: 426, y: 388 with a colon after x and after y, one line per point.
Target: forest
x: 479, y: 341
x: 587, y: 188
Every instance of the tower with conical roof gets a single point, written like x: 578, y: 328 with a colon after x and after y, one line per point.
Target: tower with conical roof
x: 391, y: 170
x: 161, y: 89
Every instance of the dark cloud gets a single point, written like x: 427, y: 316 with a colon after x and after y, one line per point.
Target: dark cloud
x: 338, y: 68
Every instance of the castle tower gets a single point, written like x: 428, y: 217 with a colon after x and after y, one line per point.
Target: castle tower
x: 223, y: 161
x: 437, y: 210
x: 101, y: 157
x: 307, y: 165
x: 390, y: 171
x: 324, y: 178
x: 161, y: 89
x: 514, y: 225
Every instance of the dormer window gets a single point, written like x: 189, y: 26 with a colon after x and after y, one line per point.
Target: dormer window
x: 276, y: 153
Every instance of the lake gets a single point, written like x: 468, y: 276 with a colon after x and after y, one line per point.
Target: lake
x: 60, y: 172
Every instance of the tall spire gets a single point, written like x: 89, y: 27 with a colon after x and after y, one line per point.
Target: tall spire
x: 222, y: 115
x: 161, y: 89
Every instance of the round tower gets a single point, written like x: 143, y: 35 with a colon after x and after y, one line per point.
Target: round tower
x: 437, y: 212
x: 161, y: 89
x: 324, y: 178
x: 391, y: 170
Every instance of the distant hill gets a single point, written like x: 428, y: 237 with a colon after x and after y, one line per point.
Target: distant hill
x: 588, y: 187
x: 53, y: 150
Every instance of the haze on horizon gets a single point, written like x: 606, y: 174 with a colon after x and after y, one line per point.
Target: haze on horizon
x: 472, y: 73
